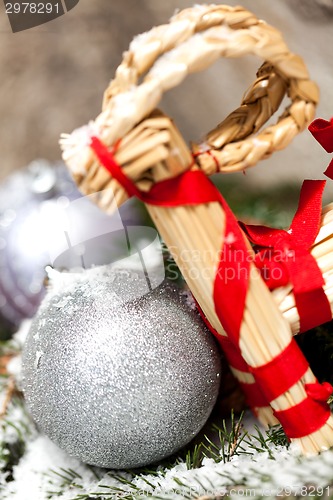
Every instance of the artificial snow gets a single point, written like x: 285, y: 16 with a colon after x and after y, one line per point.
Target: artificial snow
x: 41, y: 472
x: 255, y: 475
x: 32, y: 476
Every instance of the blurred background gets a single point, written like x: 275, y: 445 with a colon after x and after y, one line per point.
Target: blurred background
x: 53, y: 78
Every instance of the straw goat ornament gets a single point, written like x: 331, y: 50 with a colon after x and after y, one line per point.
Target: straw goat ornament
x: 132, y: 149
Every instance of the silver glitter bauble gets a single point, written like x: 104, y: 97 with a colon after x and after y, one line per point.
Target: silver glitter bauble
x: 116, y: 374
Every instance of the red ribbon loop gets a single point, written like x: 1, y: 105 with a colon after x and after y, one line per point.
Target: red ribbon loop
x: 322, y: 131
x: 284, y: 256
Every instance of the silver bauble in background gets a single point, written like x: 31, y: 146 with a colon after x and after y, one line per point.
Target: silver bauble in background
x: 118, y: 372
x: 45, y: 220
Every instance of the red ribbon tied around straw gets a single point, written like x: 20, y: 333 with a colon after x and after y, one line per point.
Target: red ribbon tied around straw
x: 192, y: 188
x: 230, y: 290
x: 322, y: 131
x: 284, y: 256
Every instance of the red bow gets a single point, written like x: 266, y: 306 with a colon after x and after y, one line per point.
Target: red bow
x: 319, y: 392
x: 322, y: 131
x: 284, y: 256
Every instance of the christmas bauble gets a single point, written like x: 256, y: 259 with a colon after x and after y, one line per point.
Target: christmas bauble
x: 45, y: 220
x: 117, y: 372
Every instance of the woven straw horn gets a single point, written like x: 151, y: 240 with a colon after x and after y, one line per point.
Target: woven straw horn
x: 152, y: 150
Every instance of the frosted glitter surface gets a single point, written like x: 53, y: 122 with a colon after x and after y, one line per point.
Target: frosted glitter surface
x: 115, y: 381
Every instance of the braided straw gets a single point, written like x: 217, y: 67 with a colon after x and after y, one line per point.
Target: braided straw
x: 193, y: 40
x: 152, y: 150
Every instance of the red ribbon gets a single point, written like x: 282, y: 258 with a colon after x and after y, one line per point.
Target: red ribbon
x: 284, y: 256
x: 253, y: 393
x: 310, y: 414
x: 322, y: 131
x: 319, y: 392
x: 193, y: 188
x: 282, y: 372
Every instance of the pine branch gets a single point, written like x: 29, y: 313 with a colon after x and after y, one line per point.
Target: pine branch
x: 16, y: 428
x: 225, y: 444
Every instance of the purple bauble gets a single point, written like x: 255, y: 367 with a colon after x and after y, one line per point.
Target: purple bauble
x: 45, y: 221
